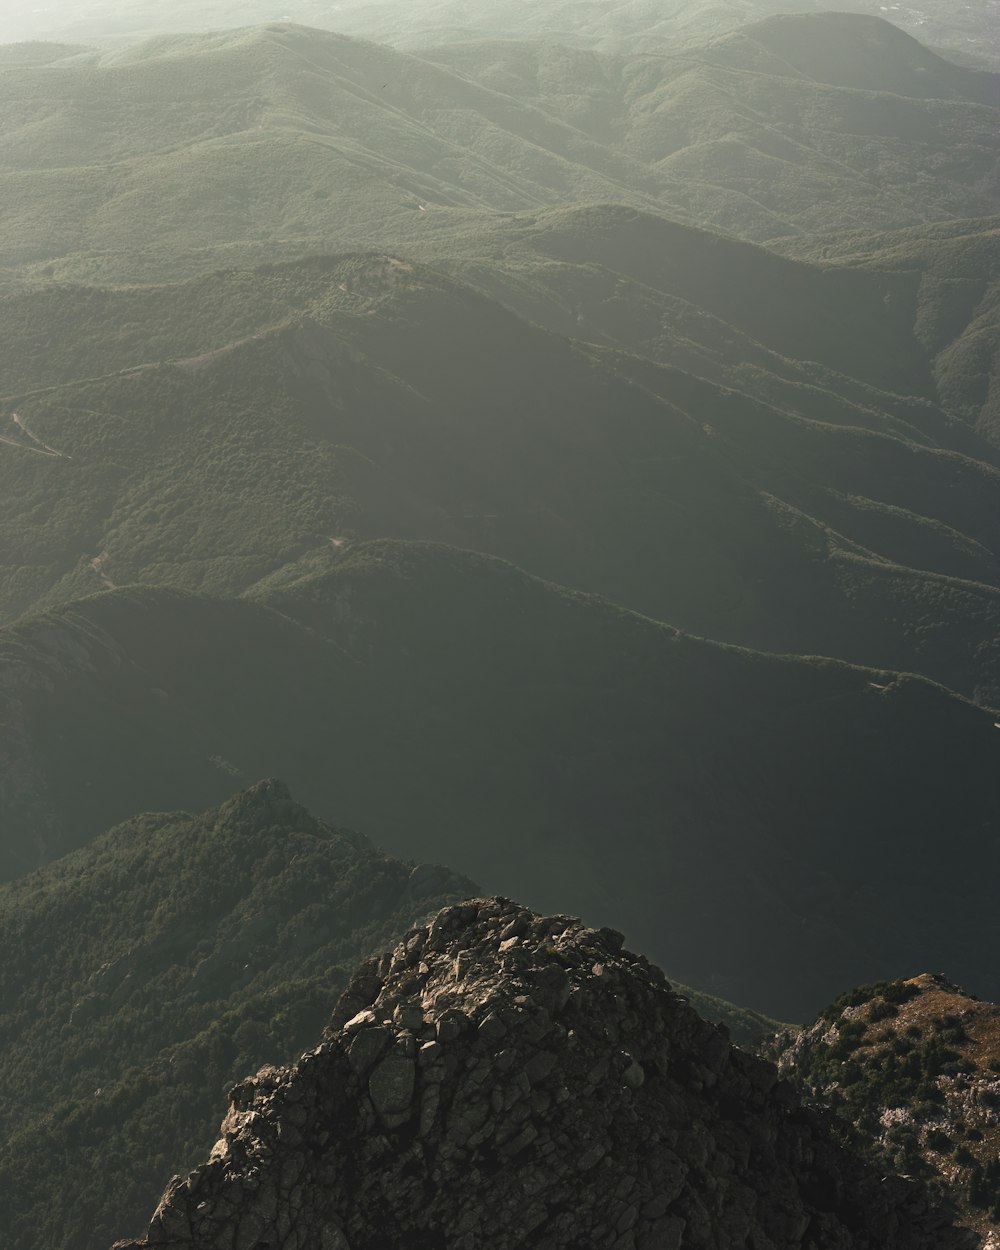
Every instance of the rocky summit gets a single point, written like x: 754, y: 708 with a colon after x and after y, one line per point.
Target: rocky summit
x: 508, y: 1080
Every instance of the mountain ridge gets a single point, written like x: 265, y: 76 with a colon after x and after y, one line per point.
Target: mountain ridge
x: 431, y: 665
x: 340, y: 413
x: 345, y: 143
x: 629, y: 25
x: 524, y: 1078
x: 159, y: 963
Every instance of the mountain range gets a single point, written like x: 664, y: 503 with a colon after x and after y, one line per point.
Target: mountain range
x: 460, y: 711
x: 276, y: 480
x: 191, y: 153
x: 817, y: 509
x: 568, y: 451
x: 964, y: 30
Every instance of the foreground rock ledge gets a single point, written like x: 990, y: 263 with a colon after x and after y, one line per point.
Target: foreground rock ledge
x: 506, y: 1080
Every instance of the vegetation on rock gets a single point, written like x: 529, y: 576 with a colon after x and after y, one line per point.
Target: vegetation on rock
x: 914, y: 1067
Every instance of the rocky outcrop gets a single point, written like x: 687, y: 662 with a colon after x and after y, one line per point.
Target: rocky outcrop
x: 506, y: 1080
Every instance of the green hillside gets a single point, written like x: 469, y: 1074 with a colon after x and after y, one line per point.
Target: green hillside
x: 539, y: 740
x: 364, y: 397
x: 190, y: 152
x: 768, y: 139
x: 147, y: 974
x: 187, y: 151
x: 957, y: 305
x: 869, y: 325
x: 865, y: 53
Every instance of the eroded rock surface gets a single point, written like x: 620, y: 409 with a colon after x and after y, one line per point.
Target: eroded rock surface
x: 507, y: 1080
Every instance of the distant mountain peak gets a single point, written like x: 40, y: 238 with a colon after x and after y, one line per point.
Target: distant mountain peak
x: 861, y: 51
x: 268, y: 804
x: 269, y: 796
x: 518, y: 1080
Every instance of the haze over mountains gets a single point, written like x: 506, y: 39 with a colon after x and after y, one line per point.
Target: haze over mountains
x: 547, y: 742
x: 571, y: 456
x: 788, y: 455
x: 290, y: 142
x: 369, y: 398
x: 609, y: 25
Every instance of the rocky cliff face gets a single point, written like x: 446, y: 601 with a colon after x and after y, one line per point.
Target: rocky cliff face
x: 509, y: 1080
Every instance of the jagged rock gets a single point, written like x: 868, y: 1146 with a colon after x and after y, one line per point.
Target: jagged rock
x: 567, y: 1098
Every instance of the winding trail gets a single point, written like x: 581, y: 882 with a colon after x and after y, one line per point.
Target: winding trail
x: 40, y: 448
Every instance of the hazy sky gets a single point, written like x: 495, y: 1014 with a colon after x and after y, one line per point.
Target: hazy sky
x: 973, y: 28
x: 95, y: 19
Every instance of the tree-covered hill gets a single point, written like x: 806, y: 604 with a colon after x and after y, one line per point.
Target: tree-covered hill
x: 146, y: 974
x: 768, y: 137
x: 870, y: 323
x: 957, y: 304
x: 367, y: 397
x: 604, y: 273
x: 844, y: 49
x: 191, y: 152
x: 773, y: 828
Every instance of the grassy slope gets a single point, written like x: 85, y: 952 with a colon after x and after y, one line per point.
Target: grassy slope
x: 549, y: 744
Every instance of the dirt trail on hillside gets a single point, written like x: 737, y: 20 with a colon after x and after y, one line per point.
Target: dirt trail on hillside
x: 36, y: 445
